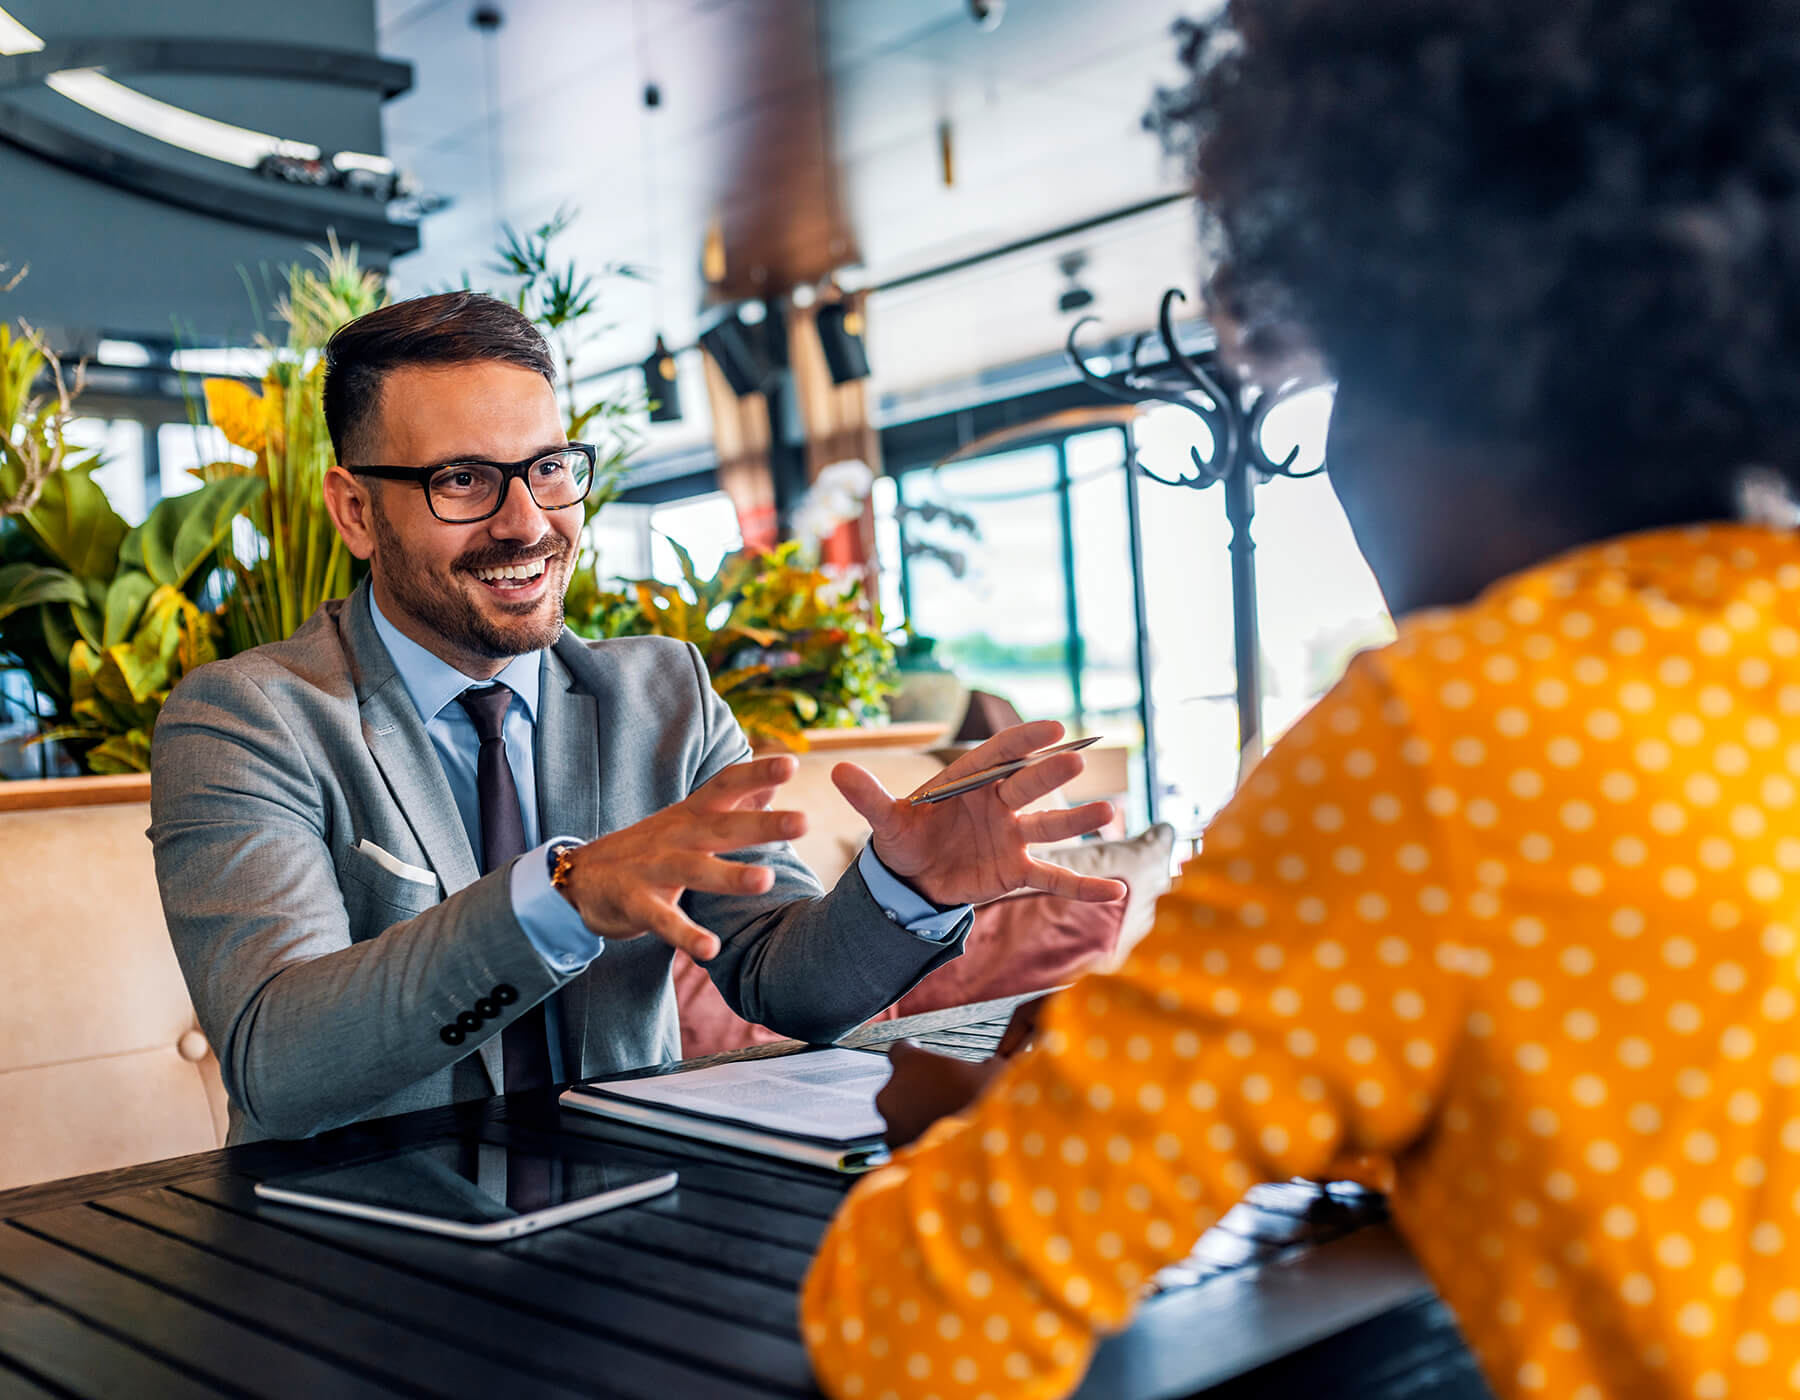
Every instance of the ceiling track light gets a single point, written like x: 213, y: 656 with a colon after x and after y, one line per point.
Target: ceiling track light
x: 840, y: 327
x: 1075, y: 297
x: 661, y: 385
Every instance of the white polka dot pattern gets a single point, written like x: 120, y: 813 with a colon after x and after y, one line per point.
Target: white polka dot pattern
x: 1506, y: 923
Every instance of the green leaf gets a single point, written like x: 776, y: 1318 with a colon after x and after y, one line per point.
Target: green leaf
x: 60, y: 633
x: 183, y: 531
x: 76, y: 524
x: 727, y: 681
x: 90, y: 616
x: 27, y: 585
x: 125, y: 604
x: 123, y: 753
x: 690, y: 575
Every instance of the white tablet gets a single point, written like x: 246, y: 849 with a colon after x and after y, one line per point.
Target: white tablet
x: 469, y: 1190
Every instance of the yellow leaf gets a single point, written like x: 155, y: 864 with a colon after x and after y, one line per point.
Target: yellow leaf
x: 238, y: 412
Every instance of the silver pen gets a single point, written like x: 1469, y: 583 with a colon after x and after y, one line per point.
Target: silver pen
x: 956, y: 787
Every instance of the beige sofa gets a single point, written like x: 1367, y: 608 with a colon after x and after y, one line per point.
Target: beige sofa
x: 101, y: 1062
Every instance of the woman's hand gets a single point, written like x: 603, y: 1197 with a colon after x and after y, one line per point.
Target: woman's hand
x: 925, y: 1086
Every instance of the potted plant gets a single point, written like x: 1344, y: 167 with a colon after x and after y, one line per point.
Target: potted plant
x: 788, y: 646
x: 107, y: 618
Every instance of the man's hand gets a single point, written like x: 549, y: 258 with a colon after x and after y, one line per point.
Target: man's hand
x: 924, y: 1086
x: 630, y: 882
x: 972, y: 848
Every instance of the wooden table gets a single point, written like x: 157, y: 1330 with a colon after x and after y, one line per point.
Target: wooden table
x: 173, y: 1280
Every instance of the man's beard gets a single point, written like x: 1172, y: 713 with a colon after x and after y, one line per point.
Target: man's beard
x: 451, y: 613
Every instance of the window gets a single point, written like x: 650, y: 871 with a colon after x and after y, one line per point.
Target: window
x: 705, y: 526
x: 180, y: 447
x: 1019, y: 566
x: 985, y: 577
x: 120, y: 442
x: 1318, y: 604
x: 620, y: 539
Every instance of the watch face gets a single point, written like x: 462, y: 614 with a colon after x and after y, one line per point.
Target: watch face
x: 561, y: 859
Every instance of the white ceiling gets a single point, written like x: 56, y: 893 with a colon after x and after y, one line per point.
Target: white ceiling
x: 1044, y: 113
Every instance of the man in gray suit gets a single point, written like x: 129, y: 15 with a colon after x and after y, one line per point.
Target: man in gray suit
x: 434, y: 846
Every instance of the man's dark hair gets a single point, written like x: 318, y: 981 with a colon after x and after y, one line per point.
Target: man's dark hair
x: 1570, y: 225
x: 450, y: 328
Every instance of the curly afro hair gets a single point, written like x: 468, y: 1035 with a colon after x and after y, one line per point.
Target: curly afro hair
x: 1571, y: 225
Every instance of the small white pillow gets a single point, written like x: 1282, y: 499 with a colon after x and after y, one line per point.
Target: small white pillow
x: 1141, y: 862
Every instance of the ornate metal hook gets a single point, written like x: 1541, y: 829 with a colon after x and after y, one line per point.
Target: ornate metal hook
x: 1138, y: 386
x: 1211, y: 395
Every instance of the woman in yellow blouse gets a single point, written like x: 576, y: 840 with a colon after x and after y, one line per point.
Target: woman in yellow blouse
x: 1517, y: 906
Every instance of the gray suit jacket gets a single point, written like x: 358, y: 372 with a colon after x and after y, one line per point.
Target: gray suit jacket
x: 323, y: 979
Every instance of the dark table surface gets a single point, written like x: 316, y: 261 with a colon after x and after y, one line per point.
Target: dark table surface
x: 173, y: 1279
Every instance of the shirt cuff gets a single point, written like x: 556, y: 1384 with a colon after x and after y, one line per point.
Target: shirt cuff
x: 905, y: 905
x: 564, y: 943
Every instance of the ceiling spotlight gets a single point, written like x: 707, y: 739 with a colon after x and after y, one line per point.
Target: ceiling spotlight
x: 660, y: 385
x: 987, y: 13
x: 1075, y: 297
x: 841, y: 338
x: 739, y: 346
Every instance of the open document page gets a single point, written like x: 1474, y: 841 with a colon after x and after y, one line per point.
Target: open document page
x: 824, y: 1095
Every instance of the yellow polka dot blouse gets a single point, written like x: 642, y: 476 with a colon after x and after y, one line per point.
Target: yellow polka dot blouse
x: 1514, y: 906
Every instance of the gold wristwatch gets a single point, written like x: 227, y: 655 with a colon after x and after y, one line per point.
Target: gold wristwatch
x: 562, y: 863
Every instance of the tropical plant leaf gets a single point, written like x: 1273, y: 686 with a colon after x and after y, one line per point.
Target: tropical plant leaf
x: 75, y: 523
x: 183, y: 531
x: 123, y: 753
x: 689, y: 574
x: 239, y: 412
x: 727, y: 681
x: 125, y: 604
x: 27, y: 585
x: 89, y: 617
x: 765, y: 718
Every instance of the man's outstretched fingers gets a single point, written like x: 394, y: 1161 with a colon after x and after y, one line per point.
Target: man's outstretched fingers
x: 1008, y: 744
x: 1040, y: 827
x: 737, y: 829
x: 1089, y: 889
x: 675, y: 928
x: 693, y: 870
x: 1031, y: 783
x: 863, y: 791
x: 731, y: 786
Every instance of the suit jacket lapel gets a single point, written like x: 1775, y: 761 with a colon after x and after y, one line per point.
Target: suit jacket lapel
x: 401, y: 748
x: 568, y: 785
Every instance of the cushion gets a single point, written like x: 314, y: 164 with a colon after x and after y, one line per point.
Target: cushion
x: 1023, y: 943
x: 1141, y: 862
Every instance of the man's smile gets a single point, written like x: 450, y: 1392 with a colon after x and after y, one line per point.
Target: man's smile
x: 512, y: 573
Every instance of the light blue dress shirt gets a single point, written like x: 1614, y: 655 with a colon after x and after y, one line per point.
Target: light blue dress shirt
x: 548, y: 920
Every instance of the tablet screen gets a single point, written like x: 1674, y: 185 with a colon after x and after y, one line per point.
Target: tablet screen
x: 471, y: 1183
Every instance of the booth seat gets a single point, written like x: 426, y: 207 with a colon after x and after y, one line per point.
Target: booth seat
x: 102, y: 1064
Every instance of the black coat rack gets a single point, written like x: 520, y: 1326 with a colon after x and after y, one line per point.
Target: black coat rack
x: 1235, y: 417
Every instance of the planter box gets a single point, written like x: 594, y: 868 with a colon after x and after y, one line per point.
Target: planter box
x: 43, y: 794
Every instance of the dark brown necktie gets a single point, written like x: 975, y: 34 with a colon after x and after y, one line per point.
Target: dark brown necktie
x: 525, y: 1044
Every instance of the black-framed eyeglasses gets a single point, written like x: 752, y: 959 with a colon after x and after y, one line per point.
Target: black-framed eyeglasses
x: 460, y: 493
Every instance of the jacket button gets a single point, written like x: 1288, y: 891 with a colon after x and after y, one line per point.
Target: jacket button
x: 506, y: 994
x: 486, y: 1008
x: 191, y: 1047
x: 451, y: 1035
x: 469, y: 1021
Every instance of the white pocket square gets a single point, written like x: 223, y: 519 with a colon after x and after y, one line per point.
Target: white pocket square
x: 394, y: 865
